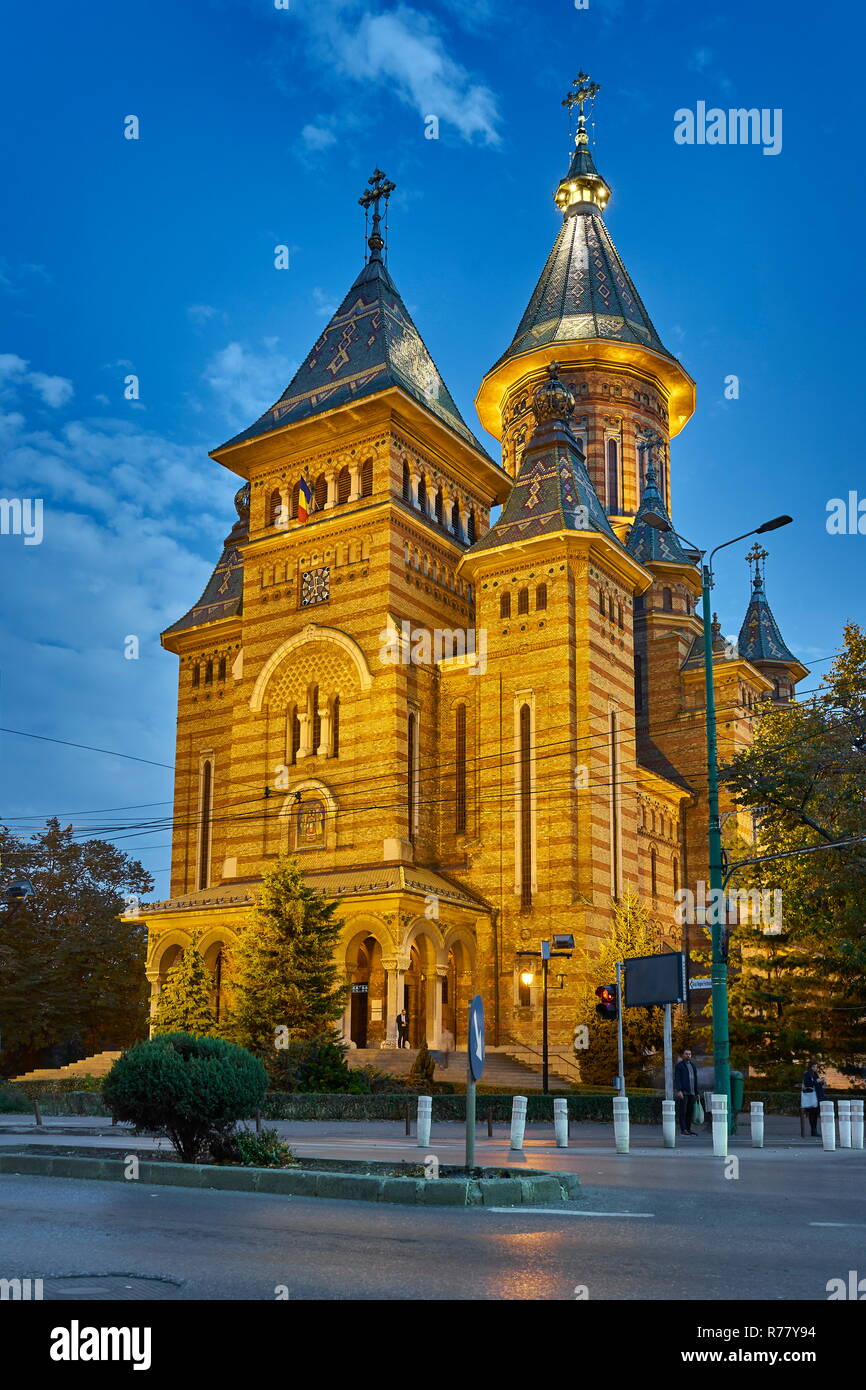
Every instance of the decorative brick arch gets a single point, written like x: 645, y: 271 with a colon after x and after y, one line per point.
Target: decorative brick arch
x: 312, y: 633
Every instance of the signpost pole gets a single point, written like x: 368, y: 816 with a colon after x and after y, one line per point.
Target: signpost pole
x: 470, y: 1120
x: 474, y: 1071
x: 669, y: 1055
x: 619, y: 1047
x: 545, y: 1074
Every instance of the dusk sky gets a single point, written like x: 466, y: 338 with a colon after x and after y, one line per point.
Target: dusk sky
x: 259, y: 126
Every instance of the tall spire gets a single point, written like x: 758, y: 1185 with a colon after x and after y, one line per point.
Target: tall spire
x: 583, y: 182
x: 380, y: 187
x: 648, y: 543
x: 760, y: 639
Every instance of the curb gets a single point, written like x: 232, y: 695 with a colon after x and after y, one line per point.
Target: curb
x: 517, y: 1188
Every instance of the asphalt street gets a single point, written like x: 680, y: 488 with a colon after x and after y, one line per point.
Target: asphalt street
x: 653, y: 1225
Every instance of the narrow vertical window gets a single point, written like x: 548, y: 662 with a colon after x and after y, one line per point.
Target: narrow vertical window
x: 366, y: 477
x: 411, y: 743
x: 407, y: 483
x: 654, y: 873
x: 667, y: 601
x: 455, y: 517
x: 422, y: 494
x: 460, y: 770
x: 525, y: 807
x: 208, y: 673
x: 316, y: 721
x: 344, y: 485
x: 614, y: 807
x: 638, y: 684
x: 295, y: 736
x: 541, y: 597
x: 471, y: 532
x: 196, y: 674
x: 601, y: 602
x: 320, y: 492
x: 275, y: 508
x: 335, y: 726
x: 221, y: 674
x: 439, y: 508
x: 612, y: 476
x: 293, y: 503
x: 205, y: 819
x: 676, y: 869
x: 523, y: 600
x: 504, y: 611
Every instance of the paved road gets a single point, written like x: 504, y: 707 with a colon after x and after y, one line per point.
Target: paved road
x: 653, y: 1225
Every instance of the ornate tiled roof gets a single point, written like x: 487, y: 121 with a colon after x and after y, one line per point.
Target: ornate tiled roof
x: 584, y: 291
x: 721, y: 651
x: 224, y: 591
x: 339, y: 884
x: 760, y: 638
x: 552, y: 491
x: 370, y: 344
x: 647, y: 543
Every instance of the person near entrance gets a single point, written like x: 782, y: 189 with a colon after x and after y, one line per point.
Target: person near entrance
x: 402, y: 1029
x: 686, y: 1087
x: 811, y: 1095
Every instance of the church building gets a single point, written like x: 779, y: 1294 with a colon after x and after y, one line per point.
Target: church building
x: 465, y: 692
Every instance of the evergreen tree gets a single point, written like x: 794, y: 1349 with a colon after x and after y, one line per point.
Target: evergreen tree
x: 284, y: 979
x: 184, y: 1004
x: 634, y: 932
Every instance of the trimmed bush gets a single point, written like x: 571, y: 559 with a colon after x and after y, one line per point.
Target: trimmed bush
x: 192, y: 1089
x: 12, y: 1104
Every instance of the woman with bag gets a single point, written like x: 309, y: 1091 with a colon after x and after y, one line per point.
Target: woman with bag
x: 811, y: 1095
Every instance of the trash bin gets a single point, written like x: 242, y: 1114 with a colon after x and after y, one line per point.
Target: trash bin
x: 738, y: 1087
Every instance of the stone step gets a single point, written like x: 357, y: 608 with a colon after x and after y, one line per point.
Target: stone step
x: 99, y: 1064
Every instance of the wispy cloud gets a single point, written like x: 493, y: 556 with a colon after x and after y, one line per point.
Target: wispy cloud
x: 53, y: 391
x: 247, y: 380
x: 318, y: 137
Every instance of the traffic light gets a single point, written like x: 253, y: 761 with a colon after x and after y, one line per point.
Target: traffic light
x: 607, y: 1007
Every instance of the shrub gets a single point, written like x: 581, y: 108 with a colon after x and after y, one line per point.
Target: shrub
x: 265, y: 1150
x: 423, y: 1067
x: 317, y: 1064
x: 12, y: 1104
x: 192, y: 1089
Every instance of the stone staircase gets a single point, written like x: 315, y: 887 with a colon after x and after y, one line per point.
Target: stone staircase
x: 99, y: 1064
x: 501, y: 1067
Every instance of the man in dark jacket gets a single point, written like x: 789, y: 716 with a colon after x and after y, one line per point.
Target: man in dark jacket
x: 402, y: 1029
x: 812, y: 1088
x: 686, y: 1088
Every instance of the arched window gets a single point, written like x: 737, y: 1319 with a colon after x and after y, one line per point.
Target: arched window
x: 540, y: 598
x: 676, y: 873
x: 504, y: 608
x: 654, y: 873
x: 525, y: 806
x: 293, y: 501
x: 460, y: 770
x: 638, y: 684
x: 667, y: 601
x: 470, y: 528
x: 275, y: 508
x: 439, y: 508
x: 524, y: 994
x: 422, y: 494
x: 315, y: 721
x: 619, y: 621
x: 205, y: 821
x: 407, y: 483
x: 196, y: 674
x: 335, y: 726
x: 344, y: 485
x: 601, y: 602
x: 208, y: 674
x: 411, y: 754
x: 612, y: 476
x: 366, y: 477
x: 295, y: 735
x: 221, y: 673
x: 522, y: 600
x: 455, y: 517
x: 320, y: 492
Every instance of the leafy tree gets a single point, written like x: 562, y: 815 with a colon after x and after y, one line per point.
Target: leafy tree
x: 283, y: 971
x: 634, y: 932
x: 184, y: 1004
x: 803, y: 989
x: 194, y: 1090
x: 71, y: 973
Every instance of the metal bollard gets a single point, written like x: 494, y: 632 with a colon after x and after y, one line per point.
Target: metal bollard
x: 518, y: 1122
x: 720, y: 1126
x: 828, y: 1125
x: 560, y: 1122
x: 425, y: 1115
x: 489, y: 1122
x: 856, y: 1124
x: 621, y: 1124
x: 669, y: 1123
x: 756, y: 1116
x: 844, y: 1124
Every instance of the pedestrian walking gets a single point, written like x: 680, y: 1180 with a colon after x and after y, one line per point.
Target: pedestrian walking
x: 686, y: 1088
x: 402, y: 1029
x: 811, y: 1095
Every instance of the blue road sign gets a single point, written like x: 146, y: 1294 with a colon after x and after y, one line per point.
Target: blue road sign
x: 475, y: 1046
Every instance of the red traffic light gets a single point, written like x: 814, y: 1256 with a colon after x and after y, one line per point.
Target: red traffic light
x: 607, y: 1005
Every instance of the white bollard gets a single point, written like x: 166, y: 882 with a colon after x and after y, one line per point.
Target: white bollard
x: 856, y: 1124
x: 518, y: 1122
x: 620, y: 1124
x: 720, y: 1126
x: 844, y: 1124
x: 425, y: 1115
x: 560, y: 1122
x: 828, y: 1125
x: 669, y: 1123
x: 756, y: 1115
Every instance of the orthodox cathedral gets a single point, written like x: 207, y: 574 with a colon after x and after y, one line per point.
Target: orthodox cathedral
x: 466, y: 693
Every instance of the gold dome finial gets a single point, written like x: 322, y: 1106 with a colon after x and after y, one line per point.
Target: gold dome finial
x: 583, y: 183
x: 553, y: 400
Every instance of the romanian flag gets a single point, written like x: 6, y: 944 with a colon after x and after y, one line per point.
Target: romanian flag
x: 305, y: 497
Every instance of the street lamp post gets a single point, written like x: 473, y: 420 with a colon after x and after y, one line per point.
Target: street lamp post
x: 719, y: 971
x: 546, y: 954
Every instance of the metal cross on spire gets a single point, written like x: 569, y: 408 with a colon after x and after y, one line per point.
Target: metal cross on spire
x: 380, y: 187
x: 584, y: 90
x: 756, y: 556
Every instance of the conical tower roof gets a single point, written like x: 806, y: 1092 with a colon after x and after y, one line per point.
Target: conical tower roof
x: 646, y: 542
x: 224, y: 592
x: 553, y: 491
x: 370, y: 344
x: 760, y: 639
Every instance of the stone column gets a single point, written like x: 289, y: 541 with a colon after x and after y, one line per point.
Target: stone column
x: 414, y: 480
x: 355, y: 488
x: 331, y: 478
x: 434, y: 1007
x: 396, y: 967
x: 324, y: 748
x: 306, y: 733
x: 153, y: 977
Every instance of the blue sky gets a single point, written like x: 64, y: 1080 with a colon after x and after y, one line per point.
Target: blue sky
x: 259, y: 126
